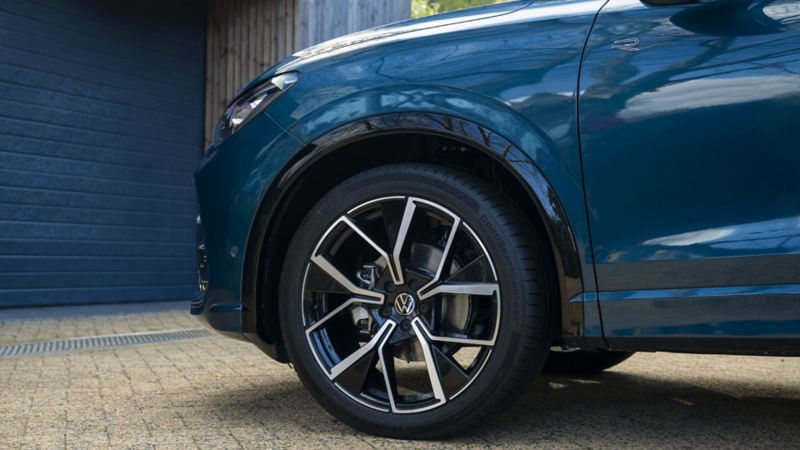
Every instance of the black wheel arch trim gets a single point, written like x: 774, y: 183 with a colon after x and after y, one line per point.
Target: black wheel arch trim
x: 265, y: 333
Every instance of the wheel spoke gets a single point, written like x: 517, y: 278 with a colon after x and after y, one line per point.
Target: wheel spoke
x: 347, y: 363
x: 396, y: 278
x: 476, y: 270
x: 340, y: 278
x: 392, y: 215
x: 430, y: 364
x: 457, y: 340
x: 445, y: 252
x: 339, y: 309
x: 453, y: 376
x: 405, y: 224
x: 317, y: 280
x: 447, y: 267
x: 354, y: 377
x: 387, y: 368
x: 461, y: 288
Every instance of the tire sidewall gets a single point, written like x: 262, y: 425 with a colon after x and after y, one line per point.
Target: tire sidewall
x: 491, y: 229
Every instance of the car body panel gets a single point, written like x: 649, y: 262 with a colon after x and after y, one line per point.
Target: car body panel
x: 691, y: 169
x: 512, y: 159
x: 230, y: 184
x: 505, y: 79
x: 364, y: 38
x: 528, y: 96
x: 430, y: 70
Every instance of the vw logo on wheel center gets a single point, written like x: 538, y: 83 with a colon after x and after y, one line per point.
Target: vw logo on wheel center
x: 404, y: 303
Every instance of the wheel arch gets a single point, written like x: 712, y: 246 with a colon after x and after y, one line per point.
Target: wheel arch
x: 444, y: 140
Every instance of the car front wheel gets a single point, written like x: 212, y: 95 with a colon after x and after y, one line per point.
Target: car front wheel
x: 414, y: 304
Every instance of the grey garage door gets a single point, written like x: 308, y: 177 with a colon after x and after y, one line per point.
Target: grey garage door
x: 101, y: 106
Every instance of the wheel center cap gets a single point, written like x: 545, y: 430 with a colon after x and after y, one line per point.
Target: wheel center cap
x: 404, y: 303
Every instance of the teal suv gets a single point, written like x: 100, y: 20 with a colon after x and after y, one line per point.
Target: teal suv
x: 421, y: 217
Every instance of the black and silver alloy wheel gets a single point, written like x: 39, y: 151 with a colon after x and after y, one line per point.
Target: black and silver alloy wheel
x: 416, y: 319
x: 413, y: 302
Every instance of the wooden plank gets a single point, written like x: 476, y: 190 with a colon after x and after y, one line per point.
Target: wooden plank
x: 236, y: 47
x: 228, y: 63
x: 244, y: 49
x: 252, y: 64
x: 295, y: 22
x: 271, y: 34
x: 258, y: 34
x: 216, y: 66
x: 285, y: 33
x: 208, y: 81
x: 278, y: 30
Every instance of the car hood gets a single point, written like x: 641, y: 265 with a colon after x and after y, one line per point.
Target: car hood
x: 386, y: 31
x: 409, y: 26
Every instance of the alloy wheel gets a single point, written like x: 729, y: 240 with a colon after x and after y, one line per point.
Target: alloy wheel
x: 401, y: 304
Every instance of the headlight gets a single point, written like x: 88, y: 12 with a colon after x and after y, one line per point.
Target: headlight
x: 250, y: 103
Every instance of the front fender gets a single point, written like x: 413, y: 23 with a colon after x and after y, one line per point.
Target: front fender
x: 562, y: 236
x: 505, y: 85
x: 324, y: 117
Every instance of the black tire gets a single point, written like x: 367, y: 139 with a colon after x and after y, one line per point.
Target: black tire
x: 523, y: 336
x: 581, y: 362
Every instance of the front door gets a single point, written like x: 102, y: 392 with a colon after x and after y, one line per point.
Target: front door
x: 690, y: 132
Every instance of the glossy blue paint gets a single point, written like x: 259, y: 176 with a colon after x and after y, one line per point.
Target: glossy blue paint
x: 734, y: 291
x: 668, y: 211
x: 753, y: 312
x: 528, y: 96
x: 691, y: 165
x: 230, y: 183
x: 436, y: 66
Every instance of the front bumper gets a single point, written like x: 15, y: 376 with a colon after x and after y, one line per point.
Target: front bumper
x: 231, y: 183
x: 224, y: 318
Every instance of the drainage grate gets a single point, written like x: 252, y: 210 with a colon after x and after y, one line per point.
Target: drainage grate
x: 93, y: 342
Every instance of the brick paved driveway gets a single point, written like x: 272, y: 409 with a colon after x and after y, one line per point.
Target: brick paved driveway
x: 217, y: 393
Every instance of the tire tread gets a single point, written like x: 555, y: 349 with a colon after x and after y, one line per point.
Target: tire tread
x: 538, y: 309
